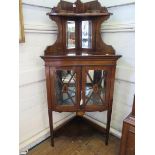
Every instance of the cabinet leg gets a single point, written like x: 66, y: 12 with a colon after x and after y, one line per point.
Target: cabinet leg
x: 108, y: 126
x: 51, y: 126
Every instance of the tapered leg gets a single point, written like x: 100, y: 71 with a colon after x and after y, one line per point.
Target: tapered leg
x: 51, y: 126
x: 108, y: 126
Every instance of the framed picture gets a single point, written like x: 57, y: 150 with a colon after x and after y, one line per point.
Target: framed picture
x: 21, y: 23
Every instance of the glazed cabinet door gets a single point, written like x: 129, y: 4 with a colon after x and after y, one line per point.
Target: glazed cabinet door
x: 65, y: 84
x: 95, y: 87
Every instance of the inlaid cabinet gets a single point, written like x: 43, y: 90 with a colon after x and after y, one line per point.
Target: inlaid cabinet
x: 80, y: 67
x: 80, y: 88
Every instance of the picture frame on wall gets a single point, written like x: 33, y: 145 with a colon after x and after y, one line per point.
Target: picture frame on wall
x: 21, y: 24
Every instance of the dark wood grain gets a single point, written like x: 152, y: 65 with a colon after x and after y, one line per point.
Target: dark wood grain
x: 50, y: 115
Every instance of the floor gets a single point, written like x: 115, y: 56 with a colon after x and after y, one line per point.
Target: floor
x: 78, y: 138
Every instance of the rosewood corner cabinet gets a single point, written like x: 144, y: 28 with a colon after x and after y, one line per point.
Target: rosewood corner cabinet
x: 80, y: 67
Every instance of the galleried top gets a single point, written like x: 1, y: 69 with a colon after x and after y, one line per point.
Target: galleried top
x: 79, y: 26
x: 79, y: 7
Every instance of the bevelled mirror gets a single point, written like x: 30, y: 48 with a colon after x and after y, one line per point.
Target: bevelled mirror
x: 86, y: 34
x: 70, y: 34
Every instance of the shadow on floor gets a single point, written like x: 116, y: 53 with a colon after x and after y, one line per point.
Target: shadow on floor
x: 78, y: 138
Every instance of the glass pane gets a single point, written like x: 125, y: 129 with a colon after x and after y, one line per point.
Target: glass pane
x: 86, y: 34
x: 65, y: 87
x: 95, y: 87
x: 70, y: 34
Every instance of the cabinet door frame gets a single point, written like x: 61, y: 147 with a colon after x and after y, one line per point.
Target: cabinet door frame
x: 108, y: 85
x: 66, y: 108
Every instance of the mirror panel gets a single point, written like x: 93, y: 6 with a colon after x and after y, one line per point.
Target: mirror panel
x: 86, y: 34
x: 70, y: 34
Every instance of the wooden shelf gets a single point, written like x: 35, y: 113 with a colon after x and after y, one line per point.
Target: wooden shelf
x: 79, y: 14
x: 82, y: 55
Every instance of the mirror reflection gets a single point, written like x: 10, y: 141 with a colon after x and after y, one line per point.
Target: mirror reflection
x: 86, y: 34
x: 70, y: 34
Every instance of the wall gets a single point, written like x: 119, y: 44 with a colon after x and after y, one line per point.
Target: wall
x: 50, y: 3
x: 119, y: 32
x: 33, y: 121
x: 40, y: 32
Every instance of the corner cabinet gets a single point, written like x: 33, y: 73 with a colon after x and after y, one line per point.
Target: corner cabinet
x: 80, y: 67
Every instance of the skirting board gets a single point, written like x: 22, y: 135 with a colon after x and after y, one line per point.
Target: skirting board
x: 39, y: 137
x: 112, y: 131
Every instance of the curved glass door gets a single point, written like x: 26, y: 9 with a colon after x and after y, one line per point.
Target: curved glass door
x: 66, y: 87
x: 95, y: 86
x: 65, y: 82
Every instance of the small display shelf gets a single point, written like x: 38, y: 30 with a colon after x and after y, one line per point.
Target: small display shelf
x: 79, y: 14
x: 80, y: 67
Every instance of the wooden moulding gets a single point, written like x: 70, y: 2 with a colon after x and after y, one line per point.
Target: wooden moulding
x: 21, y: 24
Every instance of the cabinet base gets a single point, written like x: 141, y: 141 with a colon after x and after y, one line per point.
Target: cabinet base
x: 80, y: 119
